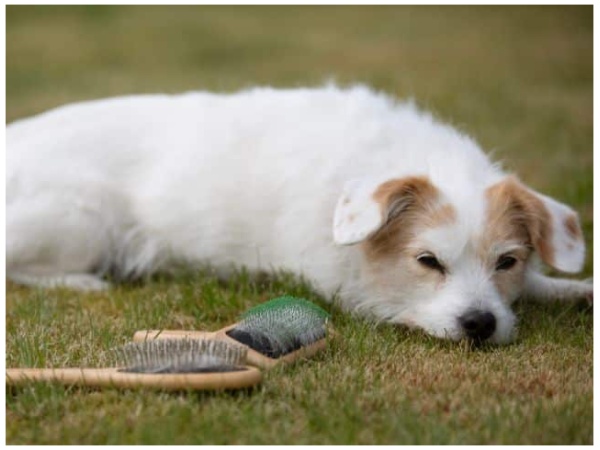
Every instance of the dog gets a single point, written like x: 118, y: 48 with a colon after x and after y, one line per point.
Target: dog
x: 372, y: 200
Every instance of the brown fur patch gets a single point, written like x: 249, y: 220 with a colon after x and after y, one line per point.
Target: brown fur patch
x: 572, y: 226
x: 405, y: 203
x: 440, y: 216
x: 514, y: 213
x: 392, y: 193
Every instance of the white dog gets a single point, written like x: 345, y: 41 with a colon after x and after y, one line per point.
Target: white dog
x: 401, y: 216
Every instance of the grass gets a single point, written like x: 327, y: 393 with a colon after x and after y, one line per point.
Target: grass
x: 519, y: 79
x: 373, y: 384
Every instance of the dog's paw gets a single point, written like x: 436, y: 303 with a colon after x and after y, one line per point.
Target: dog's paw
x: 83, y: 282
x: 78, y: 281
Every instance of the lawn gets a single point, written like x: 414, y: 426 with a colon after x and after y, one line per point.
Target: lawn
x: 518, y: 79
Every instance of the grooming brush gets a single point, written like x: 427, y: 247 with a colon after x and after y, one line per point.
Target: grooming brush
x: 283, y: 329
x: 170, y: 365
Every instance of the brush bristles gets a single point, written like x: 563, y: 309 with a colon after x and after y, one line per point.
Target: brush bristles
x: 281, y: 326
x: 181, y: 356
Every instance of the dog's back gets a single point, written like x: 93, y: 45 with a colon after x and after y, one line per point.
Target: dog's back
x: 127, y: 185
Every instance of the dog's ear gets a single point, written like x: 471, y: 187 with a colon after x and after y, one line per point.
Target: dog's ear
x: 365, y: 206
x: 553, y: 227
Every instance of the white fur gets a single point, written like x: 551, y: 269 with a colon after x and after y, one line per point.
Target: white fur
x: 132, y: 185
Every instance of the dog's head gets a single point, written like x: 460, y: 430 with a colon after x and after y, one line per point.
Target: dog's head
x: 452, y: 264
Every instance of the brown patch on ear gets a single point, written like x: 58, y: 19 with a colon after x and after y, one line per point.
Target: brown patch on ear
x: 403, y: 192
x: 405, y: 202
x: 516, y: 213
x: 572, y: 226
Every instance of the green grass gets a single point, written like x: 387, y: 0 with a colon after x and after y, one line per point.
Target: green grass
x: 519, y: 79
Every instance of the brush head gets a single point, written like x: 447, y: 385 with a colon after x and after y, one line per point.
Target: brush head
x: 281, y: 326
x: 181, y: 356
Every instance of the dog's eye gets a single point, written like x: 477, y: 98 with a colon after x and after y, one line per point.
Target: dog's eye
x: 431, y: 262
x: 505, y: 262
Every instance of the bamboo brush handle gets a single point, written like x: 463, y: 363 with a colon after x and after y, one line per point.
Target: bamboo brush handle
x: 250, y: 376
x: 150, y: 335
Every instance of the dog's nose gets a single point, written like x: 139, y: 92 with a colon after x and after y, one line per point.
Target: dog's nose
x: 478, y: 325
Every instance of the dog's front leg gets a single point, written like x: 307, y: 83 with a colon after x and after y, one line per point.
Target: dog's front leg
x: 543, y: 288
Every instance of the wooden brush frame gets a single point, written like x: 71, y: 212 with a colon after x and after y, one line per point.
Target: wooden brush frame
x: 114, y: 377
